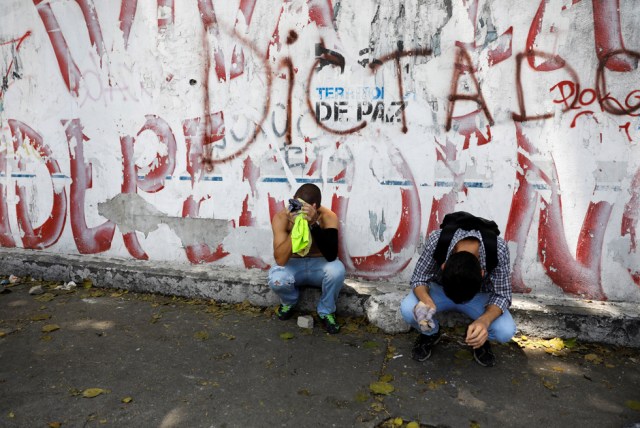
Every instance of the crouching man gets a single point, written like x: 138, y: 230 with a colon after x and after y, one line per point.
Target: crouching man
x: 465, y: 268
x: 315, y: 264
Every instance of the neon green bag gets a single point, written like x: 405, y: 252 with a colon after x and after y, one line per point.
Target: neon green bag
x: 300, y: 236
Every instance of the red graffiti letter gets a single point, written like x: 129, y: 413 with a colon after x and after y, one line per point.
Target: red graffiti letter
x: 88, y: 240
x: 50, y: 231
x: 608, y: 34
x: 6, y: 240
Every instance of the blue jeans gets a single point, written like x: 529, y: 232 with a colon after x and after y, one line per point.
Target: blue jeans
x: 286, y: 280
x: 502, y: 329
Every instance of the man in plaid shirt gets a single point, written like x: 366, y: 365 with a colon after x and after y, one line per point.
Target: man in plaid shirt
x: 461, y: 284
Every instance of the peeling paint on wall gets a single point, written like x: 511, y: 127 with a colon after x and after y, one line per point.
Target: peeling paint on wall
x: 133, y: 214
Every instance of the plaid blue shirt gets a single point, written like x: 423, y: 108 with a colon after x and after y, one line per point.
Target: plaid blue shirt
x: 497, y: 283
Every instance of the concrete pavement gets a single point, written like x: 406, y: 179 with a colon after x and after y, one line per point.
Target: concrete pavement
x: 156, y: 361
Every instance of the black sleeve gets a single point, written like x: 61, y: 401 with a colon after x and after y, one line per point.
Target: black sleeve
x: 327, y: 241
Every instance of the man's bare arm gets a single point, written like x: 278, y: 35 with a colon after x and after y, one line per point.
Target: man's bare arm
x: 422, y: 293
x: 281, y: 238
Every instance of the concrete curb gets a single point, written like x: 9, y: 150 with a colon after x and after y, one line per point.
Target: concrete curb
x: 616, y: 323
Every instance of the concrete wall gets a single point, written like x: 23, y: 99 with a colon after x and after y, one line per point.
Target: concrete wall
x: 170, y: 130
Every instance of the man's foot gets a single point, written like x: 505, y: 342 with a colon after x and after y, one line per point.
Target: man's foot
x: 284, y: 312
x: 422, y: 347
x: 329, y: 323
x: 484, y: 356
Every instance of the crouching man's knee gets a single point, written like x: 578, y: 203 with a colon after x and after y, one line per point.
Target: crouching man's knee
x: 334, y: 271
x: 280, y: 278
x: 503, y: 329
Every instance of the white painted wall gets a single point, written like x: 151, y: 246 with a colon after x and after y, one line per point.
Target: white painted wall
x: 147, y: 72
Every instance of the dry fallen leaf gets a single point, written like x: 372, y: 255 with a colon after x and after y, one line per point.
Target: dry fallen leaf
x: 361, y: 397
x: 391, y: 352
x: 377, y: 407
x: 127, y: 400
x: 93, y: 392
x: 201, y: 335
x: 556, y: 344
x: 286, y: 336
x: 54, y: 424
x: 50, y: 327
x: 381, y: 388
x: 593, y: 358
x: 435, y: 384
x: 228, y: 336
x: 40, y: 317
x: 633, y: 404
x: 386, y: 378
x: 46, y: 297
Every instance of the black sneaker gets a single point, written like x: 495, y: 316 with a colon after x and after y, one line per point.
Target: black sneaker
x: 484, y: 356
x: 284, y: 312
x: 422, y: 347
x: 329, y: 323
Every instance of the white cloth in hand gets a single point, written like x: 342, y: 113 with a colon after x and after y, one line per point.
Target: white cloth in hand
x: 424, y: 316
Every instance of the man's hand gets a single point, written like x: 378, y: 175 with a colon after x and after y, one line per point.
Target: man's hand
x: 477, y: 333
x: 310, y: 212
x: 424, y: 315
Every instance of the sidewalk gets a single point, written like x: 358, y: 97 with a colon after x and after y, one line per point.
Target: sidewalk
x: 616, y: 323
x: 158, y: 361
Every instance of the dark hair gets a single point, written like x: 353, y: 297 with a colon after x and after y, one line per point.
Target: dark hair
x: 310, y: 193
x: 461, y: 277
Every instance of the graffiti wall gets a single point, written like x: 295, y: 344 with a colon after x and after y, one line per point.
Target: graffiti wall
x: 168, y: 130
